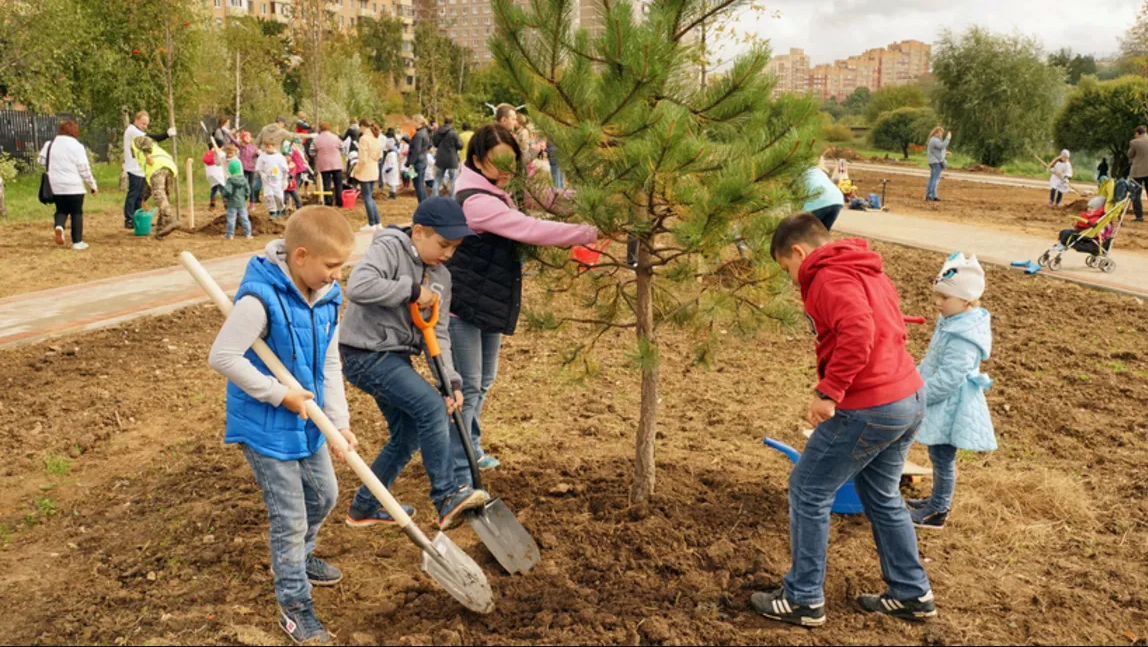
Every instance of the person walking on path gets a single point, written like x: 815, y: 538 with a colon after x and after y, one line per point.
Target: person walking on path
x: 938, y: 150
x: 136, y: 181
x: 417, y: 156
x: 329, y: 164
x: 825, y: 200
x: 1058, y: 181
x: 1138, y: 156
x: 367, y: 172
x: 448, y: 144
x: 68, y: 170
x: 486, y: 272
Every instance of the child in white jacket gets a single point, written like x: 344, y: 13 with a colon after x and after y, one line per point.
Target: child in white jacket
x: 272, y: 170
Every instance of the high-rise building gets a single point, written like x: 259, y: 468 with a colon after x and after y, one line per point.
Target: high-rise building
x: 898, y: 64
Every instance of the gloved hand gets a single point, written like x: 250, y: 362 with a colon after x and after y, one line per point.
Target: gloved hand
x: 172, y: 132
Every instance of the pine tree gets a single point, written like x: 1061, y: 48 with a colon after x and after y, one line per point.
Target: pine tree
x: 697, y: 176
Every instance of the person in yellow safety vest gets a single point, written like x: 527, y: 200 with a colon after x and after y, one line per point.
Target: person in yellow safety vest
x: 160, y: 173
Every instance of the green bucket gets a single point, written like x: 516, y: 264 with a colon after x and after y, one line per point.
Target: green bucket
x: 143, y: 221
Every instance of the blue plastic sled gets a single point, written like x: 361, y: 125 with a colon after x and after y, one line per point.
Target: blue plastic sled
x: 846, y: 501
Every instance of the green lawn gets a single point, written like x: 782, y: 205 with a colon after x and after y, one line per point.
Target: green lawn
x: 24, y: 205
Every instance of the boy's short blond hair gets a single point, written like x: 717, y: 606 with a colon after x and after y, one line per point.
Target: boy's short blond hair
x: 230, y: 150
x: 319, y: 230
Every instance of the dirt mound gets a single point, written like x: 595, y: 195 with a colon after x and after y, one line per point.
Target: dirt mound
x: 981, y: 168
x: 1077, y: 205
x: 843, y: 153
x: 261, y: 225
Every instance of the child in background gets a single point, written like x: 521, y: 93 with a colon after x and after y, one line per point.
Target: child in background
x: 380, y: 343
x: 391, y: 172
x: 272, y: 169
x: 214, y: 161
x: 286, y: 451
x: 867, y: 407
x: 957, y: 415
x: 1060, y: 175
x: 295, y: 168
x: 249, y: 155
x: 236, y: 191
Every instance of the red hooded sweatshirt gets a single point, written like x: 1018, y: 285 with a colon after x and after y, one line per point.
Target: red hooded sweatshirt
x: 856, y: 314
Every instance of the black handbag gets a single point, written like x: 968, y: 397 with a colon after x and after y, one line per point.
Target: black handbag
x: 46, y: 195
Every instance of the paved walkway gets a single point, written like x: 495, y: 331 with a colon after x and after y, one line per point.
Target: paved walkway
x: 981, y: 178
x: 994, y: 246
x: 28, y: 318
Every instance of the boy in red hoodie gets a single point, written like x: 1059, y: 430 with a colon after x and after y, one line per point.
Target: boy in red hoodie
x: 867, y: 407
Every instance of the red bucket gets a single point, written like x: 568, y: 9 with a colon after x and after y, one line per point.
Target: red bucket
x: 588, y: 255
x: 349, y: 198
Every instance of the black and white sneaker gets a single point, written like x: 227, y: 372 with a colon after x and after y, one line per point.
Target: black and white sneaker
x: 298, y: 620
x: 927, y: 520
x: 913, y: 609
x: 777, y: 606
x: 320, y: 573
x: 916, y: 504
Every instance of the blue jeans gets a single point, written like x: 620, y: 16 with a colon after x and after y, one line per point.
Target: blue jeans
x: 445, y: 177
x: 475, y: 355
x: 934, y: 180
x: 868, y: 446
x: 294, y: 195
x: 556, y: 174
x: 416, y: 415
x: 944, y: 459
x: 367, y: 190
x: 244, y: 220
x: 299, y: 495
x: 420, y: 181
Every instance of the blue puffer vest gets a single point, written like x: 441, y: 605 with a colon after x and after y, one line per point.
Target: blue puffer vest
x: 299, y: 336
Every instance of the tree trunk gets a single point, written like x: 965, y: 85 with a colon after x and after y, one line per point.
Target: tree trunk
x: 705, y: 54
x: 905, y: 151
x: 3, y: 203
x: 171, y: 113
x: 123, y: 173
x: 644, y: 466
x: 237, y: 89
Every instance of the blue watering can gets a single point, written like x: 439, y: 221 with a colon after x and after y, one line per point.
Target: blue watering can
x: 846, y: 501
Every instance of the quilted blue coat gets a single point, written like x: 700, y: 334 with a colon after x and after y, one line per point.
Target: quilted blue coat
x: 957, y: 413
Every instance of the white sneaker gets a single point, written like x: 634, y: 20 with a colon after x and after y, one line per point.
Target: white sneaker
x: 367, y: 228
x: 59, y: 236
x: 249, y: 236
x: 378, y: 227
x: 80, y: 246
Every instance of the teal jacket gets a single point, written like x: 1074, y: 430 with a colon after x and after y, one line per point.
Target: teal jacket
x: 821, y: 190
x: 236, y: 191
x: 956, y: 412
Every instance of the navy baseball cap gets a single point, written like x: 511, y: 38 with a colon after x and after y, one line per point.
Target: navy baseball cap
x: 445, y: 215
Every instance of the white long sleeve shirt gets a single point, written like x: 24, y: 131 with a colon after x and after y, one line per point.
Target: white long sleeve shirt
x: 68, y: 170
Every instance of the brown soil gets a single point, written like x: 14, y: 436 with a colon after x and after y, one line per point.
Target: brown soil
x: 157, y: 534
x: 981, y: 168
x: 845, y: 153
x: 996, y: 206
x: 33, y: 262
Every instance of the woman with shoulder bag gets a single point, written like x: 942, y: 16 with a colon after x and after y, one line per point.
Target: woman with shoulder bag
x: 67, y: 169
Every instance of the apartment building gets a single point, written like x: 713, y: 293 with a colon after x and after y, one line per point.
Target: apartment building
x: 897, y: 64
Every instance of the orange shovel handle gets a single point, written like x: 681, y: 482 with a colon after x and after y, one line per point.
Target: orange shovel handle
x: 427, y: 326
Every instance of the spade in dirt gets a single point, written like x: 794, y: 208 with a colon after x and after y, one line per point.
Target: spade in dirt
x: 497, y: 527
x: 444, y: 561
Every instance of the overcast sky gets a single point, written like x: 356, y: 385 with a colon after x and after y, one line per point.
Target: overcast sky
x: 833, y: 29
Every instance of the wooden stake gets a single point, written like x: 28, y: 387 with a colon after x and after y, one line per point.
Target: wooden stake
x: 190, y: 198
x: 171, y: 110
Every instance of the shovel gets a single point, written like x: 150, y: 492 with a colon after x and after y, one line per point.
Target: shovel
x: 445, y: 562
x: 501, y: 533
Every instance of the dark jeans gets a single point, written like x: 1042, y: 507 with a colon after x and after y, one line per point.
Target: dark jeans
x: 1054, y: 196
x: 217, y: 189
x: 71, y: 205
x: 333, y: 183
x: 367, y: 190
x: 421, y: 181
x: 294, y: 195
x: 256, y: 184
x: 827, y: 215
x: 134, y: 199
x: 868, y: 446
x: 1137, y: 205
x: 416, y: 416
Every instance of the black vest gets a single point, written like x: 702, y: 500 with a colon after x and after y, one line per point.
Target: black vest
x: 486, y: 279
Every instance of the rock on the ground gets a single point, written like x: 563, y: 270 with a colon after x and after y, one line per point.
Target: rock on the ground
x: 655, y: 630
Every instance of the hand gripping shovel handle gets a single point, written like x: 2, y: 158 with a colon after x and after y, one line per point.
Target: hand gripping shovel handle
x: 314, y: 411
x: 434, y: 358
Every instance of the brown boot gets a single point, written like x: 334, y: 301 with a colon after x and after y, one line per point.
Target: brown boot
x: 171, y: 226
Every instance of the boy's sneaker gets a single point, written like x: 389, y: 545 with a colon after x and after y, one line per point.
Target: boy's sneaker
x: 80, y: 246
x: 916, y: 504
x: 299, y: 621
x: 367, y: 228
x: 913, y: 609
x: 248, y: 236
x: 777, y: 606
x: 60, y: 236
x: 929, y: 520
x: 320, y: 573
x: 226, y: 237
x: 463, y: 499
x: 488, y: 462
x: 358, y: 519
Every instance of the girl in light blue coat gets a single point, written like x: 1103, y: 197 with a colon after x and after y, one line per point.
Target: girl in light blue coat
x: 957, y: 415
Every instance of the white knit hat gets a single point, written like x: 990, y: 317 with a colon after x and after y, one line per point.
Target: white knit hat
x: 961, y: 277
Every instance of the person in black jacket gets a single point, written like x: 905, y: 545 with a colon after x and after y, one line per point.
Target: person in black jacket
x: 417, y: 158
x: 448, y: 142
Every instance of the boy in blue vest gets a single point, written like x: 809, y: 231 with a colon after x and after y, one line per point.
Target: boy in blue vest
x: 379, y: 342
x: 290, y: 298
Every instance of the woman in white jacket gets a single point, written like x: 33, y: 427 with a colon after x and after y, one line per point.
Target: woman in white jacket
x: 68, y: 171
x: 1060, y: 175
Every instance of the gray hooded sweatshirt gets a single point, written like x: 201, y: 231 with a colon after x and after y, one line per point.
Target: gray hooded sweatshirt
x: 379, y: 295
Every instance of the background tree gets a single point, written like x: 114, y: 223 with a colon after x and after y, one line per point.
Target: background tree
x: 891, y: 98
x: 37, y: 51
x: 1100, y: 116
x: 682, y: 168
x: 858, y: 102
x: 832, y: 108
x: 996, y: 93
x: 438, y: 64
x: 1074, y: 65
x: 901, y: 128
x: 381, y: 40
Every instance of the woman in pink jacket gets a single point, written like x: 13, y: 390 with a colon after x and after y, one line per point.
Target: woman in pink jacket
x: 486, y: 272
x: 329, y: 163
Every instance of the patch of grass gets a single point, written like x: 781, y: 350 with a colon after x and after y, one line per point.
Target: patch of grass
x: 57, y: 465
x: 1141, y: 374
x: 24, y: 205
x: 1084, y: 377
x: 5, y: 533
x: 1117, y: 367
x: 46, y: 506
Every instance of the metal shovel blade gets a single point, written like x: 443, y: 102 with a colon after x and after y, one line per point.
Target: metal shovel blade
x: 459, y: 575
x: 505, y: 538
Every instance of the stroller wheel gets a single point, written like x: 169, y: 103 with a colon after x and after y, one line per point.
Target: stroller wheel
x: 1054, y: 263
x: 1044, y: 259
x: 1090, y: 261
x: 1107, y: 265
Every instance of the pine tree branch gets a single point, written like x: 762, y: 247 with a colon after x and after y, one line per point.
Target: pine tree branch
x: 642, y: 80
x: 515, y: 38
x: 731, y: 91
x: 722, y: 6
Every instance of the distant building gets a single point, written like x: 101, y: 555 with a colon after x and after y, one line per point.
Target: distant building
x: 898, y: 64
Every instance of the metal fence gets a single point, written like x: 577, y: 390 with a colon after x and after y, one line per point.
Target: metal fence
x: 22, y: 134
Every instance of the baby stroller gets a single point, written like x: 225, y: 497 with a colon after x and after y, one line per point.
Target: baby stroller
x: 1095, y: 229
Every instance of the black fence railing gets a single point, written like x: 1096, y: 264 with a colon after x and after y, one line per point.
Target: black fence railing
x: 22, y: 134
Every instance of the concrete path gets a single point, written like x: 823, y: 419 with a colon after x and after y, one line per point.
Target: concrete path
x: 28, y: 318
x: 981, y: 178
x: 994, y: 246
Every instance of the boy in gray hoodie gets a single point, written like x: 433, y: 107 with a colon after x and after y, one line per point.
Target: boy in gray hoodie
x: 378, y: 343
